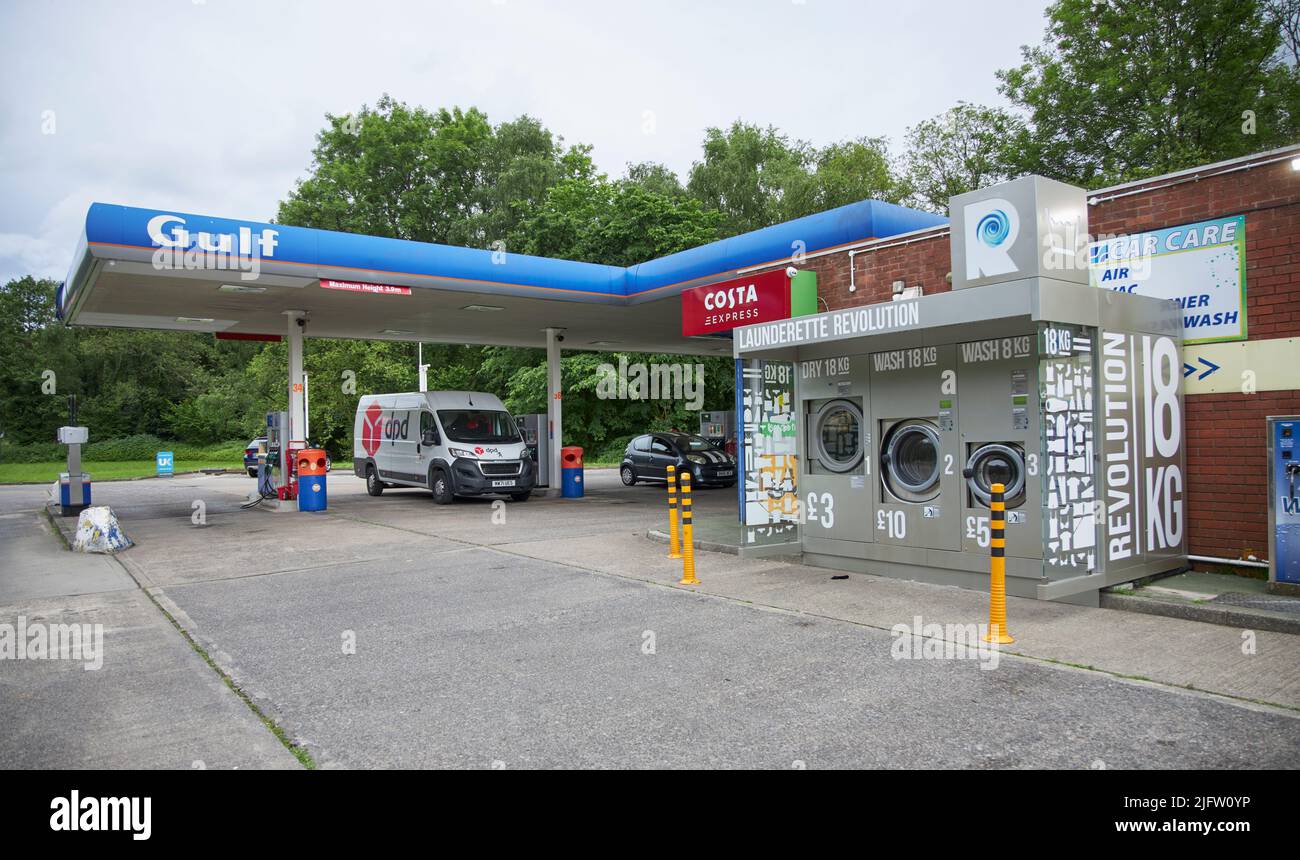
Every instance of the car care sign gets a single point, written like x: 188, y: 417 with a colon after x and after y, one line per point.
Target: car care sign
x: 1201, y: 266
x: 720, y: 307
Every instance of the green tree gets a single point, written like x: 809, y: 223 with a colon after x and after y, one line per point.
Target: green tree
x: 34, y: 345
x: 615, y: 223
x: 851, y: 171
x: 754, y: 176
x: 962, y: 149
x: 1132, y: 88
x: 757, y: 177
x: 656, y: 178
x: 1287, y: 15
x: 444, y: 176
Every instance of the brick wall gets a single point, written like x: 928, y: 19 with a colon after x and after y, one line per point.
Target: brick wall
x: 920, y: 260
x: 1227, y: 500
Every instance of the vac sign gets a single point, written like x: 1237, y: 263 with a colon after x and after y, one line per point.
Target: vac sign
x: 721, y: 307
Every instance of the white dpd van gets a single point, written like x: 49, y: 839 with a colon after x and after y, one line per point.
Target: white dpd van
x: 454, y: 443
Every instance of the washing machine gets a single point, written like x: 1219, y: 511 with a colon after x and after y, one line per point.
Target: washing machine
x: 918, y: 473
x: 833, y: 490
x: 1000, y: 442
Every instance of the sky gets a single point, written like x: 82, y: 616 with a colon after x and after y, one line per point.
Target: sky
x: 212, y: 106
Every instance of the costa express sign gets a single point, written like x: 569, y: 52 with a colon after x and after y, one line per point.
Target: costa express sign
x: 721, y: 307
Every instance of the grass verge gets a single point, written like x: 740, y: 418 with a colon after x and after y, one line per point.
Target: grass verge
x: 115, y: 470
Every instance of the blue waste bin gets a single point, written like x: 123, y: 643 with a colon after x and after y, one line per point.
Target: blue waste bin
x: 311, y: 479
x: 571, y: 472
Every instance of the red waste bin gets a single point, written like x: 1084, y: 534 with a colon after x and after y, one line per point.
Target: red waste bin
x: 311, y: 479
x: 571, y: 472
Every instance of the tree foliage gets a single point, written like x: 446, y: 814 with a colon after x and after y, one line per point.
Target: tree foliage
x: 445, y: 176
x: 1124, y: 89
x: 965, y: 148
x: 757, y: 177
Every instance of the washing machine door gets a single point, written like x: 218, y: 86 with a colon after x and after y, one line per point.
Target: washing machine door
x: 996, y: 463
x: 836, y: 437
x: 910, y: 461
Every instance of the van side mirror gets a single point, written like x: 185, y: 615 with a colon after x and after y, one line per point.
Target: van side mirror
x: 430, y: 437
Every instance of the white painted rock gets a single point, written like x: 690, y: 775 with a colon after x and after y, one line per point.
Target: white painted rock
x: 98, y: 531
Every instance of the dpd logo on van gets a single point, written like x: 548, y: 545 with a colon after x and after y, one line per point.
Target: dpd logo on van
x: 395, y: 428
x: 371, y: 429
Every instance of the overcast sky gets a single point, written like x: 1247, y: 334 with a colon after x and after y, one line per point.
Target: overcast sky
x: 211, y: 106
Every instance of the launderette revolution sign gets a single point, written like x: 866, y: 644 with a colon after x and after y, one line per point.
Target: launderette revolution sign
x: 1201, y: 266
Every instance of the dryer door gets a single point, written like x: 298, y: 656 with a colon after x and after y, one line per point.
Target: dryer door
x: 836, y: 436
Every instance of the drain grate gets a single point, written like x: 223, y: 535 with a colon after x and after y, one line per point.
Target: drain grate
x: 1289, y: 605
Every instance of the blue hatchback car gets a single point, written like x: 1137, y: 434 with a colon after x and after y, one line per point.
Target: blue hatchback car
x: 254, y: 455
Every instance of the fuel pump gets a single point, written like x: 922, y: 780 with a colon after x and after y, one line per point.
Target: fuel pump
x: 532, y: 429
x: 1284, y: 504
x: 720, y: 429
x: 276, y: 476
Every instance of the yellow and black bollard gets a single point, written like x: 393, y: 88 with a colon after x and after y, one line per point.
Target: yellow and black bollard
x: 674, y: 547
x: 688, y: 537
x: 998, y: 568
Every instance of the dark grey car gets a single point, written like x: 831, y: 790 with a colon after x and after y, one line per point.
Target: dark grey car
x: 648, y: 457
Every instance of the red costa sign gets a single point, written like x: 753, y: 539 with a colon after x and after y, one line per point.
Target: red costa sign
x: 744, y: 301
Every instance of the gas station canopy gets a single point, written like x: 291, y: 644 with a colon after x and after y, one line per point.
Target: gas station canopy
x: 157, y: 269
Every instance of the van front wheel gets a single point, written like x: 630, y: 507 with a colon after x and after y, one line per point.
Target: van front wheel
x: 374, y: 486
x: 440, y: 484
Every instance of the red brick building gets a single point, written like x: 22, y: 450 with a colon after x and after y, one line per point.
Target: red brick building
x: 1227, y: 501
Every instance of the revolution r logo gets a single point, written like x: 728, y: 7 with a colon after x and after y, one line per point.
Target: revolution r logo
x: 992, y: 227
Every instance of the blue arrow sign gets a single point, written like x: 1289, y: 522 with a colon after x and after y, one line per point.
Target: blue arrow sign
x: 1189, y: 369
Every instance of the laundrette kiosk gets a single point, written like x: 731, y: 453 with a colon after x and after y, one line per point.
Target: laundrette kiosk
x: 873, y: 434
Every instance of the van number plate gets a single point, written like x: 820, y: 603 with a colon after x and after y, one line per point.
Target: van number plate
x: 503, y: 483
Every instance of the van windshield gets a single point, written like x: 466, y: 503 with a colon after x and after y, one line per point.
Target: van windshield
x: 478, y: 425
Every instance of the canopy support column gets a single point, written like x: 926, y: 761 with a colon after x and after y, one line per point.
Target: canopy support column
x: 297, y: 431
x: 554, y: 403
